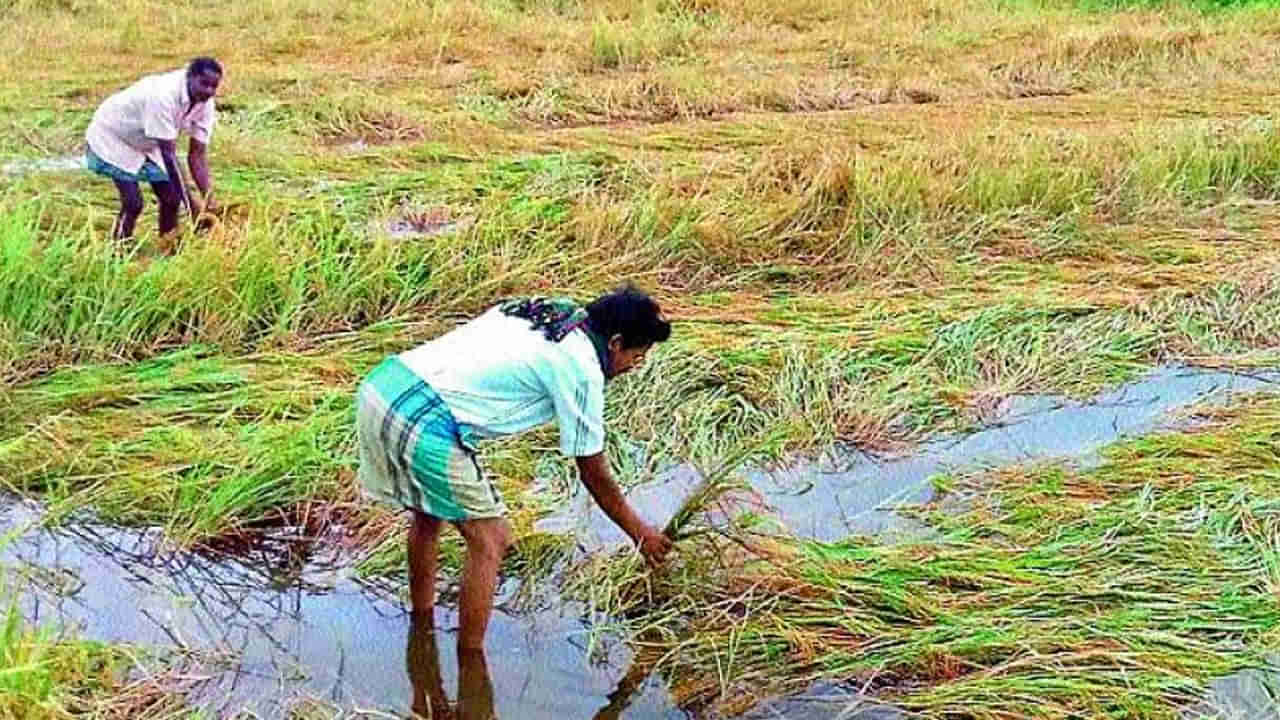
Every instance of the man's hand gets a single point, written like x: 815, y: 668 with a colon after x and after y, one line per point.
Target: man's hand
x: 595, y: 474
x: 205, y: 217
x: 653, y: 545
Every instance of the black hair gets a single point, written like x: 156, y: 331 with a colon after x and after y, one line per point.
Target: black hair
x: 631, y: 313
x: 203, y: 65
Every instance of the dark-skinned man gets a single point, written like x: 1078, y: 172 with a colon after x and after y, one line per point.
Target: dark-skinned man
x: 133, y: 139
x: 523, y: 363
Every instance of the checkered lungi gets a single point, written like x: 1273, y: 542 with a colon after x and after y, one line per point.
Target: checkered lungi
x: 411, y: 450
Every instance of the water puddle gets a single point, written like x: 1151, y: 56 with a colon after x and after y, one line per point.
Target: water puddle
x: 851, y: 492
x: 424, y: 223
x: 355, y: 147
x: 1247, y: 695
x: 291, y: 628
x: 65, y: 163
x: 826, y: 701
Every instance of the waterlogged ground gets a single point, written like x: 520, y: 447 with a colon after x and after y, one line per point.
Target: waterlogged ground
x: 290, y: 623
x: 852, y: 493
x: 917, y: 254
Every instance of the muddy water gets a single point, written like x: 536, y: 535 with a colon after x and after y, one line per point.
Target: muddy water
x: 298, y: 627
x: 851, y: 492
x: 292, y: 625
x: 826, y: 701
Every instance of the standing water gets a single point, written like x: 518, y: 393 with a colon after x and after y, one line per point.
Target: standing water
x: 64, y: 163
x: 293, y: 627
x: 854, y: 492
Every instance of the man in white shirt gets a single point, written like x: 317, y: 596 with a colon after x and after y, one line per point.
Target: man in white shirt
x: 522, y: 363
x: 133, y: 138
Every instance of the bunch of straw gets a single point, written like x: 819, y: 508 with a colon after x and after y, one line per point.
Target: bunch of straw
x: 710, y: 490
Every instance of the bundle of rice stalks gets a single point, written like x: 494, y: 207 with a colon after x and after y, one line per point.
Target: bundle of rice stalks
x: 711, y: 493
x: 617, y: 585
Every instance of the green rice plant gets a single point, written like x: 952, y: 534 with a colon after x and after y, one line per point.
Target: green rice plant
x: 190, y: 443
x: 1049, y: 591
x: 644, y: 40
x: 714, y: 485
x: 45, y: 676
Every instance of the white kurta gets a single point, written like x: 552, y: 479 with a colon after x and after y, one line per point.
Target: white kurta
x: 127, y: 126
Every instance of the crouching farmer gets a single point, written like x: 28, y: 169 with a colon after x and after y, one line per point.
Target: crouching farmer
x: 521, y: 364
x: 133, y: 139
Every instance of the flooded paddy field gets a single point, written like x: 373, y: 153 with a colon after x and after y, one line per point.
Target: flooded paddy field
x: 290, y: 623
x: 976, y: 318
x: 278, y: 630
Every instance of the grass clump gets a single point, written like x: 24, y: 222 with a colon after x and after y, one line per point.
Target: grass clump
x: 1122, y: 590
x: 643, y: 41
x: 46, y: 677
x: 188, y: 443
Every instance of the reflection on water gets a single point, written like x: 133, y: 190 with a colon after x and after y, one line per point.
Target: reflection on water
x: 1247, y: 695
x: 475, y: 689
x: 826, y: 701
x: 292, y: 622
x: 476, y: 698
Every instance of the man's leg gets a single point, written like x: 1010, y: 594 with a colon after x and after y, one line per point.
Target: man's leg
x: 424, y: 535
x: 423, y: 662
x: 475, y: 690
x: 167, y: 196
x: 130, y: 209
x: 487, y: 541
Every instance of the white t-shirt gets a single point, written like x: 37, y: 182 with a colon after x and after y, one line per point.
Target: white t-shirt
x: 499, y: 376
x: 126, y: 126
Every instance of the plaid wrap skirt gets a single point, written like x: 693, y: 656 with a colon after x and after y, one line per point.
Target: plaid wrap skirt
x: 412, y: 454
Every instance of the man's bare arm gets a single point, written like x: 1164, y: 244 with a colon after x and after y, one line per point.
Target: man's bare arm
x: 594, y: 471
x: 169, y: 153
x: 198, y: 162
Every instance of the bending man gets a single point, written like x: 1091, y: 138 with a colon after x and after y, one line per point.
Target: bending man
x: 520, y: 364
x: 133, y: 138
